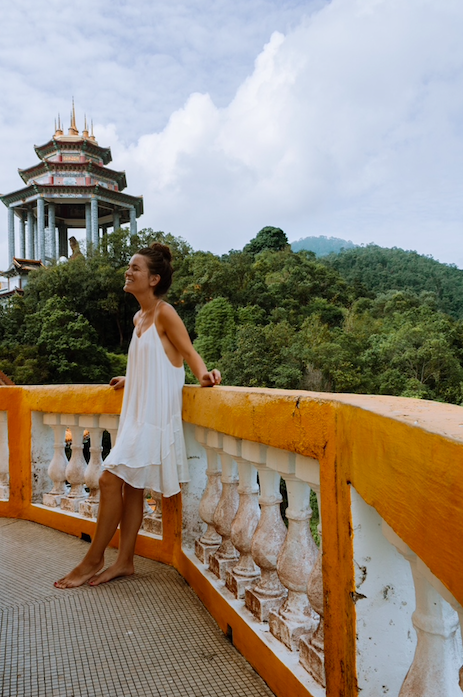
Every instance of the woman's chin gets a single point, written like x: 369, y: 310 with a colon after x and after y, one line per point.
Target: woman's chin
x: 127, y: 288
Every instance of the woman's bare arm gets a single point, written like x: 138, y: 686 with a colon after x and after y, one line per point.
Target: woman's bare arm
x: 178, y: 336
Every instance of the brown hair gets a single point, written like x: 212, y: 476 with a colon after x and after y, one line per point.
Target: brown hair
x: 159, y: 258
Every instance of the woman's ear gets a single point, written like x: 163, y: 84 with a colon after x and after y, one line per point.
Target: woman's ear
x: 154, y: 280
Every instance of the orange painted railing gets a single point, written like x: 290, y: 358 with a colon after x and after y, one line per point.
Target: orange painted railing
x: 402, y: 457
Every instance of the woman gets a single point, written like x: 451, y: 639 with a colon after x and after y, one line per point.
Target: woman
x: 150, y: 450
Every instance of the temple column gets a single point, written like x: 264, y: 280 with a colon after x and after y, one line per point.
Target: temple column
x: 22, y: 237
x: 10, y: 234
x: 105, y: 237
x: 88, y: 224
x: 41, y: 228
x: 51, y: 229
x: 62, y: 240
x: 116, y: 220
x: 94, y: 213
x: 36, y: 241
x: 30, y: 234
x: 133, y: 222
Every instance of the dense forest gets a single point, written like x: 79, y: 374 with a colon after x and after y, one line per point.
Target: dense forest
x: 366, y: 320
x: 321, y: 245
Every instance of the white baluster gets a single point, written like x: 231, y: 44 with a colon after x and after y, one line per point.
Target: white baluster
x: 4, y: 458
x: 244, y: 524
x: 152, y: 520
x: 311, y: 646
x: 436, y: 664
x: 210, y: 541
x: 58, y: 464
x: 75, y: 469
x: 297, y: 557
x: 226, y: 556
x: 89, y: 507
x: 268, y: 538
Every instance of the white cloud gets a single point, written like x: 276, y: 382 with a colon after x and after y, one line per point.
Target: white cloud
x: 348, y: 125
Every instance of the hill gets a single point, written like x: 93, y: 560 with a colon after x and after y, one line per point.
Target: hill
x: 378, y: 270
x: 321, y: 246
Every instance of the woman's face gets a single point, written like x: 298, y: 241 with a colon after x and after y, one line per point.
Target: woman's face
x: 138, y: 278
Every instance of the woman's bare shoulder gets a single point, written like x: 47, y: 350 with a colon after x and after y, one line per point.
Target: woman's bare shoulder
x: 136, y: 317
x: 166, y: 311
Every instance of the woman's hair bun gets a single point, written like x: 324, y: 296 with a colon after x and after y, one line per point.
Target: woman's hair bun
x: 162, y: 249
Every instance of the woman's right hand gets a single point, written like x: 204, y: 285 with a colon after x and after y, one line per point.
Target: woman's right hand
x: 118, y: 382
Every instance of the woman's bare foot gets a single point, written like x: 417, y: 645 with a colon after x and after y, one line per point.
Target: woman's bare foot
x: 80, y: 575
x: 114, y: 571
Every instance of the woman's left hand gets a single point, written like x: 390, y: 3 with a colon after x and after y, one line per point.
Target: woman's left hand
x: 213, y: 377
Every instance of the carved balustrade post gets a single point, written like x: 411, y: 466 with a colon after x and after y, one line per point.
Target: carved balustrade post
x: 244, y: 524
x: 89, y: 507
x: 59, y: 462
x: 152, y: 521
x: 435, y: 669
x: 267, y: 541
x: 297, y: 557
x: 4, y: 458
x: 311, y: 646
x: 75, y: 468
x: 226, y: 557
x: 210, y: 541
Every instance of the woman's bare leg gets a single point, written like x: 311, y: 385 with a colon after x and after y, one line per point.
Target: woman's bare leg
x: 109, y: 516
x: 132, y: 516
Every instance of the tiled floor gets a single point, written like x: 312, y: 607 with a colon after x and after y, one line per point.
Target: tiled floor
x: 144, y: 636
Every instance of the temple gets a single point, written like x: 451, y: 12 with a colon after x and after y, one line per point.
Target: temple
x: 70, y: 188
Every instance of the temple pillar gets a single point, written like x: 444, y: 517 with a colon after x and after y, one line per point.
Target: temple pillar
x: 41, y: 228
x: 133, y: 222
x: 36, y: 241
x: 22, y: 237
x: 62, y: 240
x: 95, y: 230
x: 116, y: 220
x: 88, y: 224
x: 51, y: 229
x: 30, y: 234
x: 11, y: 251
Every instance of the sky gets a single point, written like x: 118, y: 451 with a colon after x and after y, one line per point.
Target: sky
x: 340, y: 118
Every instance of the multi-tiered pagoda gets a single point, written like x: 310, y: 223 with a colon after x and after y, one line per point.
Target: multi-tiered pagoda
x: 71, y: 187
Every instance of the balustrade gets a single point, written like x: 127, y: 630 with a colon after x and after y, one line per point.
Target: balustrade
x: 311, y: 646
x: 435, y: 669
x: 269, y: 536
x: 89, y: 507
x: 270, y: 572
x: 297, y: 556
x: 245, y: 573
x: 4, y: 458
x: 210, y: 541
x: 226, y: 556
x: 152, y: 519
x: 76, y: 472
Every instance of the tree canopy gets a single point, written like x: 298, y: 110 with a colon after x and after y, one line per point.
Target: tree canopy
x: 367, y: 320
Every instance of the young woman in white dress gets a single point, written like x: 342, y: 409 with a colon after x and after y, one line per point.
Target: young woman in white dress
x: 150, y: 450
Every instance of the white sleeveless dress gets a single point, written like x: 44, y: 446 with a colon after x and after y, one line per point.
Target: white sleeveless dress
x: 150, y: 448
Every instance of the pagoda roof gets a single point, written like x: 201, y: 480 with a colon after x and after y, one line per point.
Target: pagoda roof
x: 77, y: 193
x: 77, y: 143
x: 88, y: 166
x: 21, y: 267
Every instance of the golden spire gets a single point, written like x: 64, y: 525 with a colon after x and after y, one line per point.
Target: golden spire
x: 73, y: 129
x: 58, y: 127
x: 85, y: 131
x: 92, y: 137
